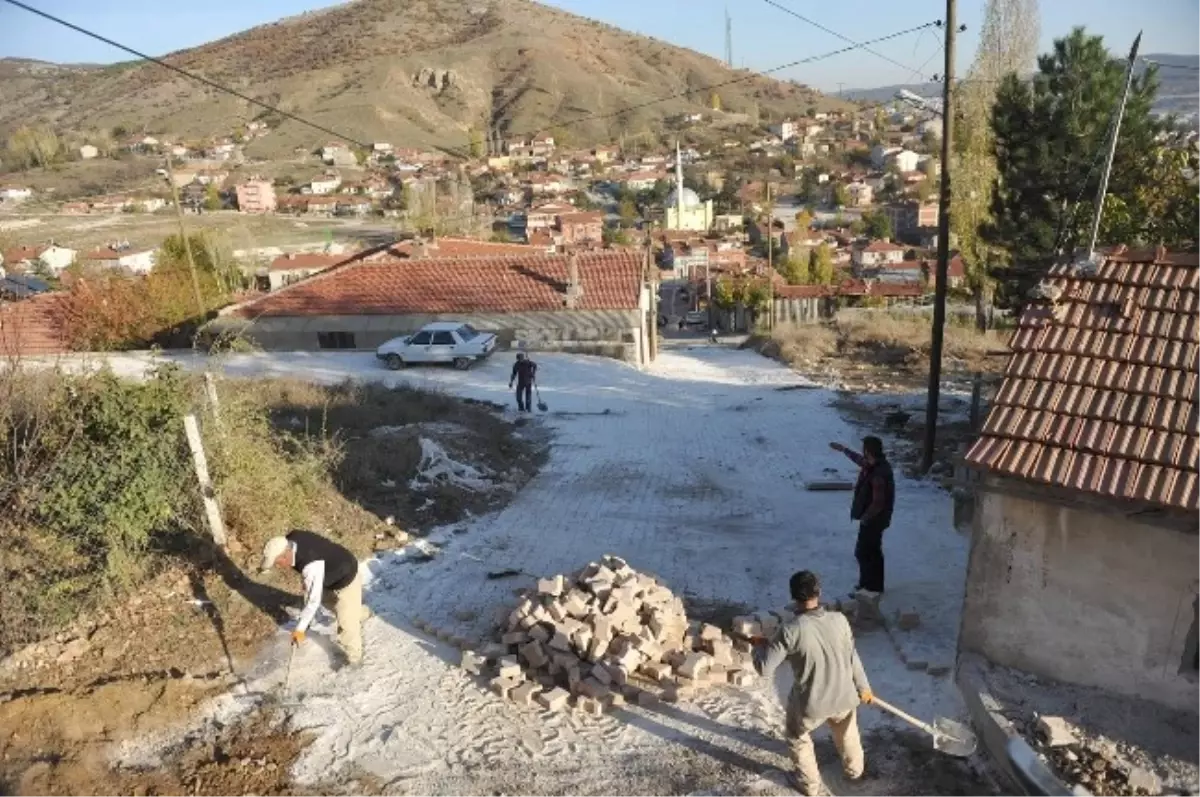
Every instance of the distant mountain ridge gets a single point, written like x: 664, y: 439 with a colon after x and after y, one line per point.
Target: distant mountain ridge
x: 1178, y: 92
x: 411, y: 72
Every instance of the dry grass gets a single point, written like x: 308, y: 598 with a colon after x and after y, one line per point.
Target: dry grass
x: 899, y: 342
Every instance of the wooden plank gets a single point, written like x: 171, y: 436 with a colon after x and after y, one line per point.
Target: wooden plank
x: 822, y: 486
x: 211, y: 509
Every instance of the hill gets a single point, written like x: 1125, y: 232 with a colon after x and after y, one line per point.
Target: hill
x: 412, y: 72
x: 1178, y: 90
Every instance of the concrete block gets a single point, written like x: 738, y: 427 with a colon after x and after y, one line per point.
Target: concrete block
x: 515, y: 638
x: 554, y: 699
x: 546, y: 681
x: 534, y: 655
x: 557, y: 612
x: 709, y: 632
x: 597, y: 648
x: 741, y: 677
x: 472, y: 662
x: 551, y: 586
x: 574, y: 678
x: 657, y: 670
x: 1140, y: 779
x: 602, y: 627
x: 647, y: 699
x: 746, y: 627
x: 593, y: 688
x: 907, y: 620
x: 509, y: 667
x: 721, y: 650
x: 1056, y: 731
x: 615, y: 700
x: 675, y: 658
x: 695, y: 665
x: 631, y: 659
x: 493, y: 651
x: 576, y: 604
x: 524, y: 694
x: 602, y: 674
x: 768, y: 622
x: 560, y: 642
x: 590, y: 706
x: 582, y: 640
x: 674, y: 692
x: 939, y: 667
x: 504, y: 686
x: 618, y: 675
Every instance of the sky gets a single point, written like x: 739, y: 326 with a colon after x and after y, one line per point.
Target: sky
x: 763, y: 36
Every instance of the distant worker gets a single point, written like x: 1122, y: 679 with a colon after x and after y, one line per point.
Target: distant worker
x: 874, y: 499
x: 829, y: 682
x: 524, y: 373
x: 331, y: 578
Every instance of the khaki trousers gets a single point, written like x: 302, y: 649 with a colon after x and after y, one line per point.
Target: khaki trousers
x: 845, y: 738
x: 347, y: 606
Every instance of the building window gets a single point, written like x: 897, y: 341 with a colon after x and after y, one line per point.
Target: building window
x: 336, y: 340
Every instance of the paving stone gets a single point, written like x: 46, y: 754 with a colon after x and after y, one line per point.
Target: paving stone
x: 515, y: 638
x: 554, y: 699
x: 509, y: 667
x: 504, y: 686
x: 524, y: 694
x: 534, y: 655
x: 602, y: 674
x: 560, y: 641
x: 472, y: 662
x: 590, y: 706
x: 552, y: 586
x: 593, y: 688
x: 694, y: 665
x: 741, y: 677
x: 657, y: 670
x: 907, y: 620
x: 493, y: 651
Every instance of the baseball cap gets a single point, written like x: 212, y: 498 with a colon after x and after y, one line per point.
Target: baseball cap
x: 275, y: 547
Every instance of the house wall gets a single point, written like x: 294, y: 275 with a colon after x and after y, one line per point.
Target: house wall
x: 1081, y: 597
x: 610, y: 333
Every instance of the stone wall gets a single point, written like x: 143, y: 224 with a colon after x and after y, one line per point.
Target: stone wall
x: 616, y: 334
x: 1082, y: 597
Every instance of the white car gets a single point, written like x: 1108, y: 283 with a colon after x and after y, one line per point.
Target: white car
x: 439, y: 342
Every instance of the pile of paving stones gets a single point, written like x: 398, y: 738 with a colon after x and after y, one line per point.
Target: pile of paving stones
x: 608, y: 634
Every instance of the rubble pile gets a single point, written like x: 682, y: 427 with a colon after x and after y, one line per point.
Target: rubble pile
x: 606, y: 635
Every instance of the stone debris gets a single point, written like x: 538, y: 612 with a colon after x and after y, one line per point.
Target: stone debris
x: 608, y: 634
x: 1055, y: 731
x: 907, y: 620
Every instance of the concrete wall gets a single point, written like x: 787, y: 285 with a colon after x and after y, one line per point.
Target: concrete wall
x: 616, y: 334
x: 798, y: 311
x: 1081, y: 597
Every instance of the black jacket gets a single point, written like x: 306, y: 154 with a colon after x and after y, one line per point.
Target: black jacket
x: 524, y: 372
x: 341, y: 566
x: 875, y: 492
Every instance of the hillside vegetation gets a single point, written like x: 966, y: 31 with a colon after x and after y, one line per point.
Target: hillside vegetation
x: 513, y: 65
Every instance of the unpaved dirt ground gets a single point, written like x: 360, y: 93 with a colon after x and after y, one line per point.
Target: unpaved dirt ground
x: 142, y: 664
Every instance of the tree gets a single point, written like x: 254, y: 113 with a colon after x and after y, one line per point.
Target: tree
x: 212, y: 197
x: 821, y: 265
x: 33, y: 146
x: 804, y: 220
x: 878, y: 225
x: 1050, y: 134
x: 841, y: 197
x: 615, y: 236
x: 627, y: 210
x: 1007, y: 45
x: 797, y: 270
x: 475, y: 142
x: 714, y: 101
x: 924, y: 192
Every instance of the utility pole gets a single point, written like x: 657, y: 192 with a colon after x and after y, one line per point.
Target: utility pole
x: 201, y: 311
x: 770, y: 252
x: 943, y: 248
x: 1112, y: 147
x: 840, y: 84
x: 728, y: 39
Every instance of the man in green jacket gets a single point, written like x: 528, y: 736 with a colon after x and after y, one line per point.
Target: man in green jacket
x: 829, y: 681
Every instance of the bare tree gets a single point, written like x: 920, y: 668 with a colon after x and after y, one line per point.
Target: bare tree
x: 1007, y: 43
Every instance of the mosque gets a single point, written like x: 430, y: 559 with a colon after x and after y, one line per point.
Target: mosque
x: 685, y: 211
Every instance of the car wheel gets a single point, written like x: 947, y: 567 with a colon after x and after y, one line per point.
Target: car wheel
x: 462, y: 363
x: 394, y: 362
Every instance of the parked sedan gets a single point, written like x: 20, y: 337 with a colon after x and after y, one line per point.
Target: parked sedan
x: 439, y: 342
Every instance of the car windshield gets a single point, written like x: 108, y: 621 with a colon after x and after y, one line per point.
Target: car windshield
x: 466, y: 332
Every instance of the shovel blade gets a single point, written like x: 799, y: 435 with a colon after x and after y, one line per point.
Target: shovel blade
x: 953, y: 738
x: 542, y: 407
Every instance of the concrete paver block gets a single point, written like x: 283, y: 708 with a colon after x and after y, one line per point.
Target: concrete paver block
x: 504, y: 686
x: 524, y: 694
x: 554, y: 699
x: 1056, y: 731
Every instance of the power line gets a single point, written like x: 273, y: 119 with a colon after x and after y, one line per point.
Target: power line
x: 831, y: 32
x: 187, y: 74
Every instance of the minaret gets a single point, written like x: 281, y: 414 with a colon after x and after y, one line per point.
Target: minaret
x: 678, y: 187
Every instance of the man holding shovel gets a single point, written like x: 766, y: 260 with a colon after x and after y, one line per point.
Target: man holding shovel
x: 829, y: 682
x: 524, y: 373
x: 331, y: 577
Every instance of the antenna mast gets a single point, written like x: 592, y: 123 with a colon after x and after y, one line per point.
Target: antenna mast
x: 728, y: 39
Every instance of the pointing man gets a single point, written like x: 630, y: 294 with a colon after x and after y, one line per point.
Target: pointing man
x: 829, y: 681
x: 331, y: 577
x: 874, y: 499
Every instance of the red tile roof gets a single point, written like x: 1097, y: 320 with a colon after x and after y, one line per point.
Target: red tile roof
x: 1101, y: 391
x: 882, y: 246
x: 581, y: 217
x: 611, y: 280
x: 455, y: 247
x: 307, y: 260
x: 19, y: 254
x: 34, y: 326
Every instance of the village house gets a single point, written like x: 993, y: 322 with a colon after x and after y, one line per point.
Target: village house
x: 338, y: 155
x: 605, y: 154
x: 1082, y: 566
x: 909, y: 218
x: 581, y: 227
x: 904, y: 160
x: 785, y: 130
x: 256, y: 196
x: 860, y: 194
x: 547, y: 184
x: 51, y: 258
x: 880, y: 155
x: 145, y: 204
x: 120, y: 256
x: 14, y: 193
x: 588, y: 303
x: 642, y: 180
x: 325, y: 184
x: 875, y: 254
x: 544, y: 216
x: 293, y: 267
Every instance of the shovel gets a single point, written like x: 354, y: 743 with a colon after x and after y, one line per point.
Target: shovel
x: 950, y: 737
x: 541, y: 405
x: 287, y: 677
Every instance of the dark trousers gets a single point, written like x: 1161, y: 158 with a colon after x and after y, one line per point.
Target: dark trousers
x: 524, y: 397
x: 868, y: 550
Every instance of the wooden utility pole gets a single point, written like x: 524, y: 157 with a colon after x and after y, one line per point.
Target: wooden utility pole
x: 201, y: 311
x: 943, y: 247
x: 770, y: 255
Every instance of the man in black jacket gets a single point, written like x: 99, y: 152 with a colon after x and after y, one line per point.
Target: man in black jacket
x: 874, y: 499
x: 331, y: 578
x: 524, y: 373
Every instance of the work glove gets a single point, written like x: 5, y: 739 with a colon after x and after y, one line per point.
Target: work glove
x: 297, y: 637
x: 866, y: 696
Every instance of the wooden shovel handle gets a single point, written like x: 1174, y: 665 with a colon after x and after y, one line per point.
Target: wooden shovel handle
x: 910, y: 719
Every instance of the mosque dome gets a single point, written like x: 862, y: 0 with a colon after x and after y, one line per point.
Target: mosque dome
x: 690, y: 199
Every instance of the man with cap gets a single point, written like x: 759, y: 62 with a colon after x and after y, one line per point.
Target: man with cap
x: 331, y: 578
